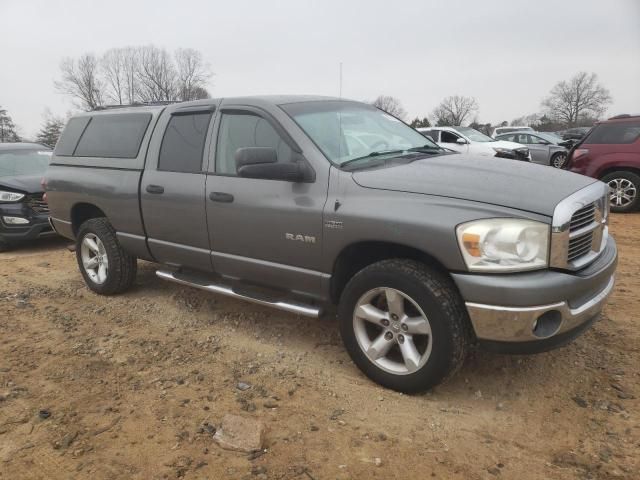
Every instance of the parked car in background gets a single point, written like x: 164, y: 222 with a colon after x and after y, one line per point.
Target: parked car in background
x: 575, y: 134
x: 24, y: 214
x: 545, y: 148
x: 611, y: 153
x: 500, y: 130
x: 469, y: 140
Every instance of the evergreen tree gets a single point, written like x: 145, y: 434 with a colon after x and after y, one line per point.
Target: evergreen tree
x: 420, y: 123
x: 7, y: 128
x: 50, y: 131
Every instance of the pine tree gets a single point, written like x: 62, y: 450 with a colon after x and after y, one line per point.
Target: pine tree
x: 50, y: 131
x: 7, y: 128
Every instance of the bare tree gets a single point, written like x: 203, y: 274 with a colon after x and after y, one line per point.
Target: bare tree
x: 156, y: 75
x: 80, y: 80
x: 455, y: 110
x: 581, y: 96
x: 391, y: 105
x: 192, y: 74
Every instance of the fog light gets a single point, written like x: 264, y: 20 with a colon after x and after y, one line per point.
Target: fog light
x: 547, y: 324
x: 15, y: 220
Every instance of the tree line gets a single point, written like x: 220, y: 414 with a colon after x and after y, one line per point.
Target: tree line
x: 579, y: 101
x: 130, y: 75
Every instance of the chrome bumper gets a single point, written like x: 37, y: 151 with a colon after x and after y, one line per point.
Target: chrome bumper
x: 525, y: 324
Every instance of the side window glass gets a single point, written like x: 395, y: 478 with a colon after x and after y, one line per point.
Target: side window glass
x: 240, y: 130
x: 432, y: 134
x: 183, y: 143
x: 448, y: 137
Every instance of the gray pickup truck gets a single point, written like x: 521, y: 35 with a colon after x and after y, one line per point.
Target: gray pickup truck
x: 302, y: 202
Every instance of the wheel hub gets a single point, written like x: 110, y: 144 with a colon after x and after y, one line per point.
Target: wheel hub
x: 392, y: 331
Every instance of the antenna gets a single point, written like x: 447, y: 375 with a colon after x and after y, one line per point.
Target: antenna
x: 340, y: 96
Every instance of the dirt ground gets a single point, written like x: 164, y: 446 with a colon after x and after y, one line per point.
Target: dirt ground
x: 132, y: 386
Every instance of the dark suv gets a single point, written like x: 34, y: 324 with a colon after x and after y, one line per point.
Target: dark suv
x: 611, y: 153
x: 24, y: 214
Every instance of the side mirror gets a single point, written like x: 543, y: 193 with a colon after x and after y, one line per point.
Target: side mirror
x: 461, y: 141
x: 262, y: 163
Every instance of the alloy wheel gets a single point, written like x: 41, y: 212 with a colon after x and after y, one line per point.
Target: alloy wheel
x: 392, y: 331
x: 623, y: 192
x: 94, y: 258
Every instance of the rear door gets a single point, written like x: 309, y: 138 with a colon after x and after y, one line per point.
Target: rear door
x: 172, y: 190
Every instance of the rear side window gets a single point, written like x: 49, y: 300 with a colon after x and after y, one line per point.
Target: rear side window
x: 113, y: 136
x: 70, y: 136
x: 183, y: 143
x: 627, y: 132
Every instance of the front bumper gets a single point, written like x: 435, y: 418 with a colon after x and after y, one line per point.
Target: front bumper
x: 537, y: 311
x: 38, y: 225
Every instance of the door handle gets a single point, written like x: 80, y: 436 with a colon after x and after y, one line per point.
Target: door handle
x: 155, y: 189
x: 221, y: 197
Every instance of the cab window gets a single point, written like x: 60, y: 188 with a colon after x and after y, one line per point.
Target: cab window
x: 240, y: 130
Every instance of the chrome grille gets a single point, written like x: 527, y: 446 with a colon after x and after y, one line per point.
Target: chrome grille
x: 579, y: 246
x: 579, y: 228
x: 583, y: 217
x: 36, y: 203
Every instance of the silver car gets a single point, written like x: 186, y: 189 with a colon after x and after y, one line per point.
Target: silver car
x: 545, y: 148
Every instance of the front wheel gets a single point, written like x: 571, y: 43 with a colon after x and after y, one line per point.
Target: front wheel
x: 558, y: 159
x: 623, y: 196
x: 404, y: 325
x: 107, y: 269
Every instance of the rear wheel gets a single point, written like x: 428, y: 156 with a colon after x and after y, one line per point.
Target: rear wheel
x: 404, y: 325
x: 625, y: 188
x: 107, y: 269
x: 558, y: 159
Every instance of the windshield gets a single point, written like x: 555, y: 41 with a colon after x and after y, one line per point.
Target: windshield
x: 473, y: 134
x: 346, y: 131
x: 23, y: 162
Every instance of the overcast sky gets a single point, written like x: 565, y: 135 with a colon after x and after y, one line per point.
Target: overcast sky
x: 506, y: 53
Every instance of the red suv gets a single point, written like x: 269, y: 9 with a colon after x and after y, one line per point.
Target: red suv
x: 611, y: 153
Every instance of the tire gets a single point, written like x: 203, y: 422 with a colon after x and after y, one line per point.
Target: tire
x: 441, y: 345
x: 625, y: 195
x: 558, y: 159
x: 97, y: 245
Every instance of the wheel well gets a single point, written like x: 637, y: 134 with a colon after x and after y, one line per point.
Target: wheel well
x: 619, y: 169
x: 82, y: 212
x: 355, y: 257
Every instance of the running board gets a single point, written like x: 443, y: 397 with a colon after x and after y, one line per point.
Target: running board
x: 287, y: 306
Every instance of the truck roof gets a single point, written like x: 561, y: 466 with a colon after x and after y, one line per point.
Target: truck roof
x: 246, y: 100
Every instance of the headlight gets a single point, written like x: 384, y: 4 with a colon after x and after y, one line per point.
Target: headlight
x: 10, y: 196
x: 504, y: 244
x: 502, y: 150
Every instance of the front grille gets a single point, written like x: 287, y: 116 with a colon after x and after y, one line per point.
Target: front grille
x: 579, y: 246
x: 522, y: 153
x: 583, y: 217
x: 36, y: 203
x: 579, y: 228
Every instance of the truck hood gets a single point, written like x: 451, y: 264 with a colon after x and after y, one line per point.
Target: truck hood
x: 22, y: 183
x: 496, y: 181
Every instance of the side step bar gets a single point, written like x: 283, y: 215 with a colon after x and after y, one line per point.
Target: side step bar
x: 287, y: 306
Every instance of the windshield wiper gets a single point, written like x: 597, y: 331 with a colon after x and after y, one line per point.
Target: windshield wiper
x: 370, y: 155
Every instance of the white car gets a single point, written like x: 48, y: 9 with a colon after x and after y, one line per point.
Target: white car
x: 469, y: 140
x: 515, y: 128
